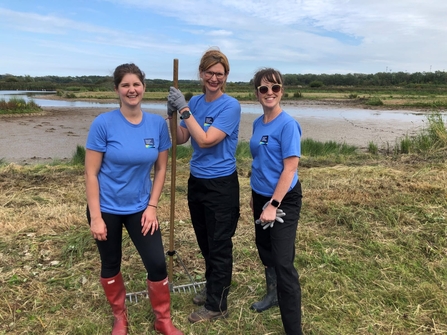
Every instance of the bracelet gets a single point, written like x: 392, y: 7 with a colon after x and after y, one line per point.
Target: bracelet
x: 152, y: 206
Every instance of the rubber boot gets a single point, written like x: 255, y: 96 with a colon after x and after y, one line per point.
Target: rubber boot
x: 116, y: 295
x: 161, y: 304
x: 271, y: 298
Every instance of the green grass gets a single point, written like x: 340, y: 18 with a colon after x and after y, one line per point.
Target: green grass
x: 430, y: 140
x: 371, y: 247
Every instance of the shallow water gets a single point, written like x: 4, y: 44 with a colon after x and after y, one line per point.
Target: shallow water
x: 315, y: 112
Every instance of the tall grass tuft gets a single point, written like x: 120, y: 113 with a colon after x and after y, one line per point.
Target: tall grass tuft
x: 314, y: 148
x: 431, y: 139
x: 78, y: 157
x: 243, y: 150
x: 373, y: 148
x: 183, y: 152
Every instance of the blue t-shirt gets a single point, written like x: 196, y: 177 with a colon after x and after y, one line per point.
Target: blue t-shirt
x: 130, y: 151
x: 224, y: 114
x: 270, y: 144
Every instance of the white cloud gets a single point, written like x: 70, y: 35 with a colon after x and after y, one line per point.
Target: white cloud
x: 319, y: 36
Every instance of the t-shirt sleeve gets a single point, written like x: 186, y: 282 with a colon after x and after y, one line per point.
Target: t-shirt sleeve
x: 291, y: 137
x: 97, y: 135
x: 165, y: 140
x: 229, y: 117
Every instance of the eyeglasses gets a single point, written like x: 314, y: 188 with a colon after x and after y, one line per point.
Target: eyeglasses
x: 264, y: 89
x: 210, y: 74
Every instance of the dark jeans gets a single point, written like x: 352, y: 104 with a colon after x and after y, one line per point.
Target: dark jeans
x: 214, y: 208
x: 149, y: 247
x: 276, y: 248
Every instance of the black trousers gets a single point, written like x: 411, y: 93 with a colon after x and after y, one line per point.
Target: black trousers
x: 214, y: 208
x: 150, y: 247
x: 276, y: 248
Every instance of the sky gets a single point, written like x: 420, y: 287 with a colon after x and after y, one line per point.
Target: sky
x: 92, y: 37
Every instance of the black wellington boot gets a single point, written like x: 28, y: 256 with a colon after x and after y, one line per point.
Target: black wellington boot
x: 271, y: 298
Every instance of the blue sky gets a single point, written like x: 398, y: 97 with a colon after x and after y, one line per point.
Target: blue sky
x: 92, y: 37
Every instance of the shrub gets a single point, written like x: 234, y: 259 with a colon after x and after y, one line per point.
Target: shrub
x: 17, y: 106
x: 188, y: 96
x: 297, y: 94
x: 374, y: 101
x: 316, y: 84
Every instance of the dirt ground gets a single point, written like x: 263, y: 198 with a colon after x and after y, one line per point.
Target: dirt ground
x: 55, y: 133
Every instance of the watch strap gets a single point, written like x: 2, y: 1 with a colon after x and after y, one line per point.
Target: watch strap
x: 185, y: 114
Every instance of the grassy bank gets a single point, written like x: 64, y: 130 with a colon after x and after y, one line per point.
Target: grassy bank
x: 391, y: 97
x: 18, y: 106
x: 371, y: 248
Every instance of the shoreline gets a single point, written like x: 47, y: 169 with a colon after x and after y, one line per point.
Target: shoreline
x: 55, y: 133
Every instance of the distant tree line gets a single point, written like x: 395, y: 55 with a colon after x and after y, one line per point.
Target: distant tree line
x: 105, y: 83
x: 377, y: 79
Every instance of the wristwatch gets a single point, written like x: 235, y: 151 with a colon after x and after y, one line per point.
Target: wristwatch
x: 275, y: 203
x: 185, y: 114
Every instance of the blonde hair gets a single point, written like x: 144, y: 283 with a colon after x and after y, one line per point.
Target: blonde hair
x: 212, y: 57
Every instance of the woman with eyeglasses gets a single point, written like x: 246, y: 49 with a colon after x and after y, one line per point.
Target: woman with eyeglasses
x: 276, y: 198
x: 211, y: 121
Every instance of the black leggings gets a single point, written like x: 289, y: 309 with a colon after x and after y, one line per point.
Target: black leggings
x: 150, y: 247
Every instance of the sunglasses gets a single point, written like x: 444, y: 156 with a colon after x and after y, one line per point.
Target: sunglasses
x: 264, y: 89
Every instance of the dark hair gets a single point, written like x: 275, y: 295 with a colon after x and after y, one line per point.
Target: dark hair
x: 212, y: 57
x: 269, y: 74
x: 124, y: 69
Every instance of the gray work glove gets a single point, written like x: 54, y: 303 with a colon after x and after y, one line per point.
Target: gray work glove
x: 279, y: 215
x: 176, y: 100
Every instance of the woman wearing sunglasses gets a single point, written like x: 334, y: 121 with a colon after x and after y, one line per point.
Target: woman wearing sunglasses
x: 276, y: 198
x: 211, y: 121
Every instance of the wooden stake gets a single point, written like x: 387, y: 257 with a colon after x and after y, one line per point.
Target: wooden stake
x: 173, y: 120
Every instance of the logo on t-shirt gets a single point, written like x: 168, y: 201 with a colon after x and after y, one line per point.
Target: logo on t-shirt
x: 264, y: 140
x: 208, y: 121
x: 149, y: 143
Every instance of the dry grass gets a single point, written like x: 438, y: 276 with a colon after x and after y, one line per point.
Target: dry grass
x: 371, y: 252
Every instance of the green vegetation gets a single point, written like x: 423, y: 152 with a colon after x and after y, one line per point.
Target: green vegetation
x: 18, y: 106
x: 430, y: 141
x: 396, y: 90
x: 374, y: 101
x: 373, y: 148
x: 371, y: 247
x: 78, y: 156
x: 415, y: 81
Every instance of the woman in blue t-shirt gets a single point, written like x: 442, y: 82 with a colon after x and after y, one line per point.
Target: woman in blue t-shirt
x: 211, y: 121
x: 276, y: 198
x: 123, y: 146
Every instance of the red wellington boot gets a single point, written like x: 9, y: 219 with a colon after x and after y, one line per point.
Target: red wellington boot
x: 116, y: 295
x: 161, y: 304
